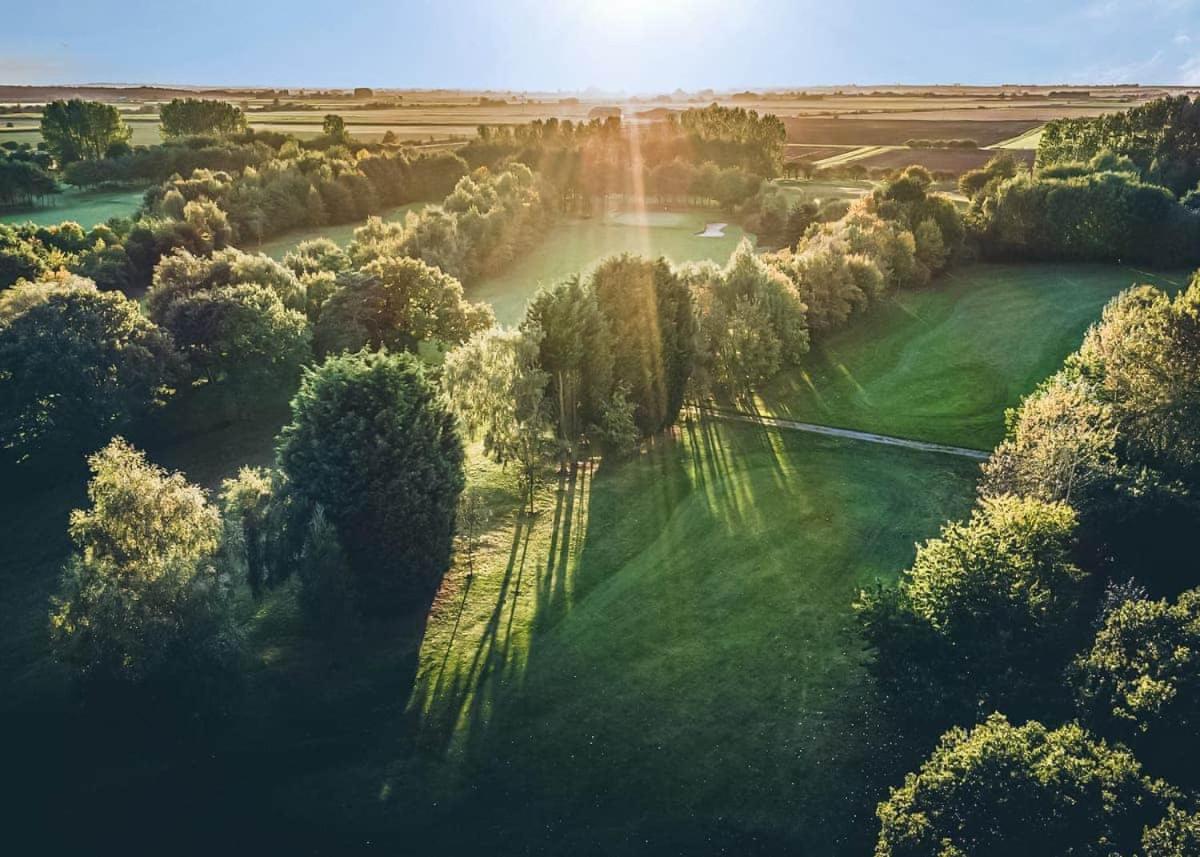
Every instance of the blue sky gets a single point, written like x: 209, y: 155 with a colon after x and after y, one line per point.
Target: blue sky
x: 639, y: 46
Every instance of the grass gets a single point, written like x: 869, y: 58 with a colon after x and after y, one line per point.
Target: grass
x: 943, y: 363
x: 87, y: 208
x: 342, y: 234
x: 662, y: 660
x: 578, y: 245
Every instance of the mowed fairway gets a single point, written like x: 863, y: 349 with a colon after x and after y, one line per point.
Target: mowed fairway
x: 577, y: 245
x: 943, y: 363
x: 679, y: 624
x: 87, y: 208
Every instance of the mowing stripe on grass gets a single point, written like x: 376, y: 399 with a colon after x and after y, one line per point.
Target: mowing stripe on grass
x: 850, y: 434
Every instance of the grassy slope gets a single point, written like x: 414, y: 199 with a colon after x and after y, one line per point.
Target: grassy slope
x: 579, y: 245
x: 87, y: 208
x: 943, y: 363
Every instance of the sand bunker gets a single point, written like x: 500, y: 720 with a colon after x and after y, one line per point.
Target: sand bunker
x: 713, y: 230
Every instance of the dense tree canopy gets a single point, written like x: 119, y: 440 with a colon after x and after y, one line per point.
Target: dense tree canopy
x: 372, y: 443
x: 82, y: 130
x: 193, y: 117
x: 1116, y: 433
x: 1140, y: 681
x: 397, y: 302
x: 1159, y: 137
x: 999, y: 790
x: 575, y: 350
x: 986, y: 612
x: 648, y: 308
x: 76, y: 365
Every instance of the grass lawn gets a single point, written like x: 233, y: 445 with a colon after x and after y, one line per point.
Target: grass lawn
x: 662, y: 659
x: 943, y: 363
x: 577, y: 245
x: 87, y: 208
x: 343, y: 234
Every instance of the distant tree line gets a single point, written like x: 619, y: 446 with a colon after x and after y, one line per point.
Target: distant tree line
x: 25, y: 177
x: 1159, y: 138
x: 1101, y: 210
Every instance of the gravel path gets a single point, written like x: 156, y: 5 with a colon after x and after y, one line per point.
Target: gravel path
x: 850, y: 434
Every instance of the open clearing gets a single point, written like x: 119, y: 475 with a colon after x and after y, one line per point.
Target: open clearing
x: 578, y: 244
x: 942, y: 364
x: 87, y: 208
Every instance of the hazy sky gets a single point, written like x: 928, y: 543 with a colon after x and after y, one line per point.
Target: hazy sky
x: 641, y: 47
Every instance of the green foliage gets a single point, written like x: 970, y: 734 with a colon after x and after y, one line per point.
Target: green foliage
x: 1001, y: 167
x: 82, y: 130
x: 143, y: 601
x: 326, y: 586
x: 1140, y: 681
x: 241, y: 336
x: 1158, y: 137
x: 1177, y: 835
x: 372, y: 443
x: 498, y: 391
x: 751, y: 321
x: 1117, y: 434
x: 649, y: 312
x: 1095, y: 216
x: 194, y: 117
x: 985, y: 613
x: 334, y: 127
x: 76, y: 365
x: 998, y: 790
x: 182, y: 274
x: 397, y: 302
x: 575, y: 350
x: 24, y: 181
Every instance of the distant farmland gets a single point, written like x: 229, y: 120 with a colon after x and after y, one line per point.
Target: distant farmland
x: 850, y: 131
x: 949, y: 160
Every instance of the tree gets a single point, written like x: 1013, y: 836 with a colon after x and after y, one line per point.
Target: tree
x: 372, y: 443
x: 334, y: 127
x: 182, y: 274
x: 986, y: 614
x: 398, y: 303
x: 191, y: 117
x: 575, y: 349
x: 241, y: 336
x: 998, y: 790
x: 77, y: 365
x: 1140, y: 681
x: 1177, y: 835
x: 649, y: 312
x: 498, y: 392
x: 143, y: 600
x: 82, y: 130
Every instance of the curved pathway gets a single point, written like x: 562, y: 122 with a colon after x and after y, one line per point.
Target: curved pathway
x: 850, y: 434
